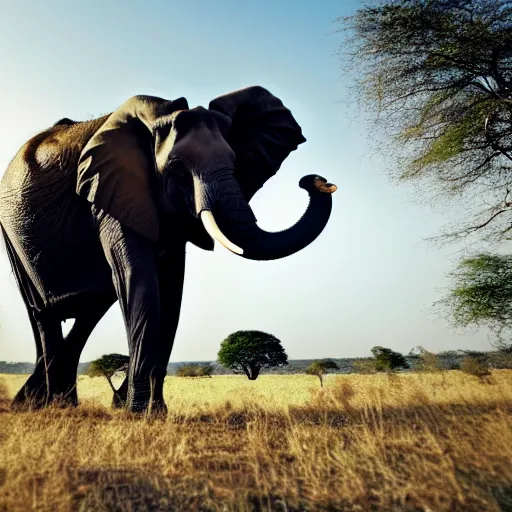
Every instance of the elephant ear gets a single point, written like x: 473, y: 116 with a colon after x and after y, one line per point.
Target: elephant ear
x: 117, y: 167
x: 262, y: 134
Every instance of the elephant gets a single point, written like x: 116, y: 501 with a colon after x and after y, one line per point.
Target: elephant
x: 99, y: 211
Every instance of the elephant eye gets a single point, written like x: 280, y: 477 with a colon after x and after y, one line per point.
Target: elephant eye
x: 178, y: 169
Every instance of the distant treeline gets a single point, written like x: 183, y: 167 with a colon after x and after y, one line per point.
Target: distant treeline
x: 450, y: 360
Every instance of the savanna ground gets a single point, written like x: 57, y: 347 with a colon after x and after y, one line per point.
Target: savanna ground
x: 379, y: 442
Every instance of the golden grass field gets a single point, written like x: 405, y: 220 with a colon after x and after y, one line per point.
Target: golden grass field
x: 419, y: 442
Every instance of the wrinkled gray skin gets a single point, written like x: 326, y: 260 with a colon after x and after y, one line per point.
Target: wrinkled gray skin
x: 99, y: 211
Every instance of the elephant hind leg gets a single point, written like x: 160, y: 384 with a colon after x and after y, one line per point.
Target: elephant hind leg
x: 34, y: 392
x: 54, y: 378
x: 41, y: 385
x: 69, y: 357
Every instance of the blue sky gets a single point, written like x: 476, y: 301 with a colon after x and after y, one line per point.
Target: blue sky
x: 367, y: 280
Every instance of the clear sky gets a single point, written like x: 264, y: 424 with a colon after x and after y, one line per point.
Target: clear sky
x: 367, y: 280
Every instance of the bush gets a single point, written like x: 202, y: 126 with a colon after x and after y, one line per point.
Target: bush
x: 365, y: 366
x: 387, y: 360
x: 502, y: 358
x: 195, y: 370
x: 474, y: 365
x: 425, y: 361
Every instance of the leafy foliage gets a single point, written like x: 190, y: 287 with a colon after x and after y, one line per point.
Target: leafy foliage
x: 195, y: 370
x: 387, y: 360
x: 107, y: 365
x: 475, y: 365
x: 481, y: 293
x: 250, y: 351
x: 365, y: 365
x: 425, y: 361
x: 501, y: 359
x: 320, y: 368
x: 439, y: 75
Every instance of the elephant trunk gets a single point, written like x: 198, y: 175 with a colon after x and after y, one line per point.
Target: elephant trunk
x: 237, y: 222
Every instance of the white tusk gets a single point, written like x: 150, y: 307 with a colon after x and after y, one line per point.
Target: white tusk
x: 214, y: 231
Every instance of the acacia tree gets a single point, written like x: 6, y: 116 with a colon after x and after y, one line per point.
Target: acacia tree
x: 250, y: 351
x: 388, y: 360
x: 425, y: 361
x: 320, y: 368
x: 106, y: 366
x: 481, y: 294
x: 438, y: 74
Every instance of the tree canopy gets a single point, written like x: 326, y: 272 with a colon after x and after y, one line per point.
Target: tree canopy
x: 250, y: 351
x: 107, y: 365
x: 438, y: 74
x: 320, y: 368
x: 424, y: 360
x: 387, y: 360
x: 481, y: 293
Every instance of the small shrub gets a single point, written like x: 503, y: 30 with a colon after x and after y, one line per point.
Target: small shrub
x: 195, y: 370
x: 476, y: 366
x: 425, y: 361
x: 502, y: 358
x: 387, y: 360
x: 365, y: 366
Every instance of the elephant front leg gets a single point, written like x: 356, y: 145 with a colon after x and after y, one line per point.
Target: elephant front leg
x: 135, y: 273
x: 171, y: 274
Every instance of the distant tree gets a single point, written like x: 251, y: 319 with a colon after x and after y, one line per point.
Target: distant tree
x: 250, y: 351
x: 195, y: 370
x: 476, y: 363
x: 438, y: 76
x: 481, y: 294
x: 425, y: 361
x: 22, y: 368
x: 366, y: 365
x: 205, y: 370
x: 106, y: 366
x: 387, y: 360
x: 501, y: 359
x: 320, y: 368
x: 451, y: 358
x: 186, y: 370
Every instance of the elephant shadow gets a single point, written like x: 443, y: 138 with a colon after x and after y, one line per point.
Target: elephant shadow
x: 103, y: 489
x: 116, y: 490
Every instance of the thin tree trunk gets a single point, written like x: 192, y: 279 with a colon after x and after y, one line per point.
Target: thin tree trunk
x: 255, y: 371
x: 111, y: 385
x: 120, y: 395
x: 246, y: 371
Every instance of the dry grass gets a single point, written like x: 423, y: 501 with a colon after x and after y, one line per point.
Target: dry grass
x: 406, y: 442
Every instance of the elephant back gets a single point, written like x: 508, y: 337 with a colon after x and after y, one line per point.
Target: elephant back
x: 47, y: 223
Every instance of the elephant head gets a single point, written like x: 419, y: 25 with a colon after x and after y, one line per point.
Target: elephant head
x: 153, y: 157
